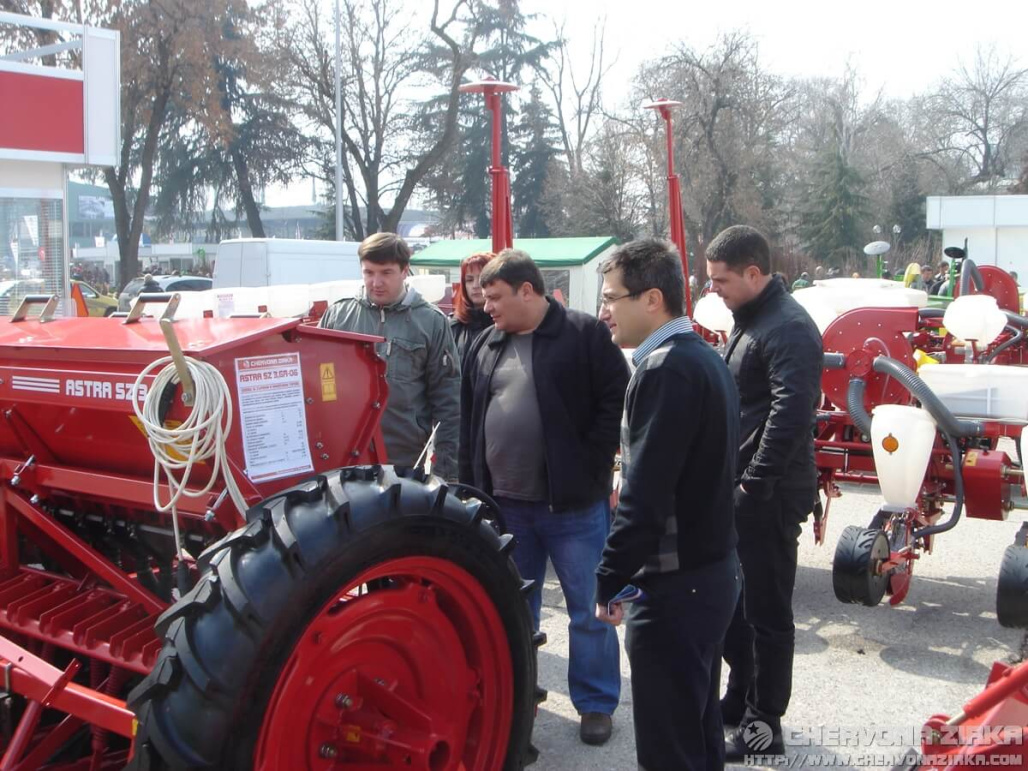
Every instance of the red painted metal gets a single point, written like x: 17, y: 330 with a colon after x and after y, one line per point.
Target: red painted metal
x: 503, y: 220
x: 986, y: 486
x: 90, y: 559
x: 416, y: 675
x: 41, y: 113
x: 862, y: 335
x: 1000, y: 285
x: 70, y: 446
x: 34, y: 678
x: 676, y: 214
x: 989, y: 731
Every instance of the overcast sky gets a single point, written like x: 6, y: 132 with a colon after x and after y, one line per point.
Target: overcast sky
x: 901, y: 46
x: 904, y: 45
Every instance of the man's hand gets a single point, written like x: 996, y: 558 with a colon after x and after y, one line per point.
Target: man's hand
x: 615, y: 619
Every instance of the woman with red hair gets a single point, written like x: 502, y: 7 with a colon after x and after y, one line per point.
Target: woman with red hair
x: 469, y: 318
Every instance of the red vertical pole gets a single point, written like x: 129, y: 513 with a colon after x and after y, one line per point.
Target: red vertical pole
x: 677, y: 218
x: 503, y: 227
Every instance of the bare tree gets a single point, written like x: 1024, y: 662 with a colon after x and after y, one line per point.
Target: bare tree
x: 980, y: 111
x: 576, y: 100
x: 388, y: 56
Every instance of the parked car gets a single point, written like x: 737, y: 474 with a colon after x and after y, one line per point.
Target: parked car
x: 166, y: 283
x: 97, y: 303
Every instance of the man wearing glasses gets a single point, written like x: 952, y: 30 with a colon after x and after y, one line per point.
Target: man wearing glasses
x: 541, y: 402
x: 672, y: 536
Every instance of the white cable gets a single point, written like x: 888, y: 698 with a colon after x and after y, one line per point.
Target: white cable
x: 201, y: 436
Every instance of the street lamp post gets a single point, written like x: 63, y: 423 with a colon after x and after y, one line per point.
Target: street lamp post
x: 503, y: 226
x: 339, y: 132
x: 674, y: 194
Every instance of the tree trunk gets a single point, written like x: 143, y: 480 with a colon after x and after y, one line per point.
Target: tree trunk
x: 253, y: 211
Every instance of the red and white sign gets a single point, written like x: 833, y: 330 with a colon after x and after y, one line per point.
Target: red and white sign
x: 57, y: 114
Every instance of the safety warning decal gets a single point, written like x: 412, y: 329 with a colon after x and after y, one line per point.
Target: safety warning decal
x: 328, y: 382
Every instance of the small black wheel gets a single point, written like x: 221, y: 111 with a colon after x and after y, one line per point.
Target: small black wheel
x: 1012, y: 588
x: 855, y: 569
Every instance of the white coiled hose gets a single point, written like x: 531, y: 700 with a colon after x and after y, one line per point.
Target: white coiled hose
x: 201, y: 437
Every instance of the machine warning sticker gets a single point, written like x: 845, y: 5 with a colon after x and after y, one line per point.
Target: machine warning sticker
x: 274, y: 421
x: 328, y: 382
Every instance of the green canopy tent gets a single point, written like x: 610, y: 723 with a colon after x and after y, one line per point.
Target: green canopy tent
x: 568, y: 264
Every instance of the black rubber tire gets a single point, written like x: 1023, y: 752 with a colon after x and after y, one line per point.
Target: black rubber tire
x: 1012, y: 588
x: 853, y: 568
x: 225, y: 642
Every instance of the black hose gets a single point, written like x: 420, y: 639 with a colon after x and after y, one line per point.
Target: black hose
x: 1017, y: 337
x: 855, y: 405
x: 945, y: 419
x: 969, y: 273
x: 931, y: 313
x: 1013, y: 318
x: 958, y: 498
x: 834, y: 360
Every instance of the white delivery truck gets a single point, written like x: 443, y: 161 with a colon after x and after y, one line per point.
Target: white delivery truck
x: 276, y: 261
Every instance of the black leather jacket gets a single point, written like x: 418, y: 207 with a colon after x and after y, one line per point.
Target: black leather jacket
x: 775, y: 356
x: 464, y: 334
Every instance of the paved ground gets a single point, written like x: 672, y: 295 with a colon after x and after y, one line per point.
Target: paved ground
x: 885, y: 668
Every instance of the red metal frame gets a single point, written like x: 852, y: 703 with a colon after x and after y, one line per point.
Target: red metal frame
x: 69, y: 443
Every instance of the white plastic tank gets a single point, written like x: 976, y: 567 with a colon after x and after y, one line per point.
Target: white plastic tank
x: 712, y: 313
x: 902, y: 438
x: 991, y: 391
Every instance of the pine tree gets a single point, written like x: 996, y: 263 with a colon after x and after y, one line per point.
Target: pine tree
x: 534, y: 151
x: 832, y: 223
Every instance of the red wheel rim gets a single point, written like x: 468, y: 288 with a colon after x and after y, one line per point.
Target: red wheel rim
x: 414, y: 672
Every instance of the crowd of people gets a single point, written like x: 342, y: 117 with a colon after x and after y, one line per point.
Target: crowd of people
x: 530, y: 402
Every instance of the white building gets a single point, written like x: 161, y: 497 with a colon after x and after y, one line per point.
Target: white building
x: 995, y: 227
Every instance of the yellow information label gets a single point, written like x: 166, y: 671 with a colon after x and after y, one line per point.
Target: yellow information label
x: 972, y: 458
x: 328, y: 381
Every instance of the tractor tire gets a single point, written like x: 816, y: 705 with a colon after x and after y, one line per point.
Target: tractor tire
x: 854, y: 569
x: 1012, y: 588
x: 364, y: 616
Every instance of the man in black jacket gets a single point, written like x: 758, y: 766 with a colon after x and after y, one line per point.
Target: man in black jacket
x: 672, y: 535
x: 541, y: 401
x: 775, y: 356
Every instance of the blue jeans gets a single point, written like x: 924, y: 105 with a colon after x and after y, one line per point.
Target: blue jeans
x: 573, y: 540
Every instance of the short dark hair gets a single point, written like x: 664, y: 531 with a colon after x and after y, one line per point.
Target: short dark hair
x: 513, y: 267
x: 650, y: 263
x: 383, y: 248
x: 739, y: 247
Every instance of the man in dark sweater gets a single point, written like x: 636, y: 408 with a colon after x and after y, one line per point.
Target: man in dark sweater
x: 541, y: 399
x: 775, y: 355
x: 672, y: 535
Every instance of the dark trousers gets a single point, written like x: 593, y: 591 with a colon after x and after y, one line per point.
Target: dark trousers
x: 761, y: 640
x: 673, y: 641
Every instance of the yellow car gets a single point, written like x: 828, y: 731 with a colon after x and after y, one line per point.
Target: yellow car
x: 97, y: 304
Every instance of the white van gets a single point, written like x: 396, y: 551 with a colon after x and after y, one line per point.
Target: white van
x: 276, y: 261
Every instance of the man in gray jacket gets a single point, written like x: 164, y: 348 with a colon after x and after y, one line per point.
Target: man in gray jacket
x: 421, y: 359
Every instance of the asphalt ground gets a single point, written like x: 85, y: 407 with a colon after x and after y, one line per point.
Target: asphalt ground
x: 865, y: 679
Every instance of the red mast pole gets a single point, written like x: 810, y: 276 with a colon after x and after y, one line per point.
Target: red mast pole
x: 674, y: 194
x: 503, y: 225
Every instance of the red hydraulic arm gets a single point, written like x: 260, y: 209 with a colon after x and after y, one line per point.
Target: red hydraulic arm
x: 503, y: 225
x: 674, y: 194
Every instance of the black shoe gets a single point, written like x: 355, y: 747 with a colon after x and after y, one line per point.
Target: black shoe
x: 596, y: 728
x: 732, y: 711
x: 754, y: 741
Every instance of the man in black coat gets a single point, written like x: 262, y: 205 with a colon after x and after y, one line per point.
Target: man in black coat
x: 775, y: 355
x: 672, y: 536
x: 541, y: 400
